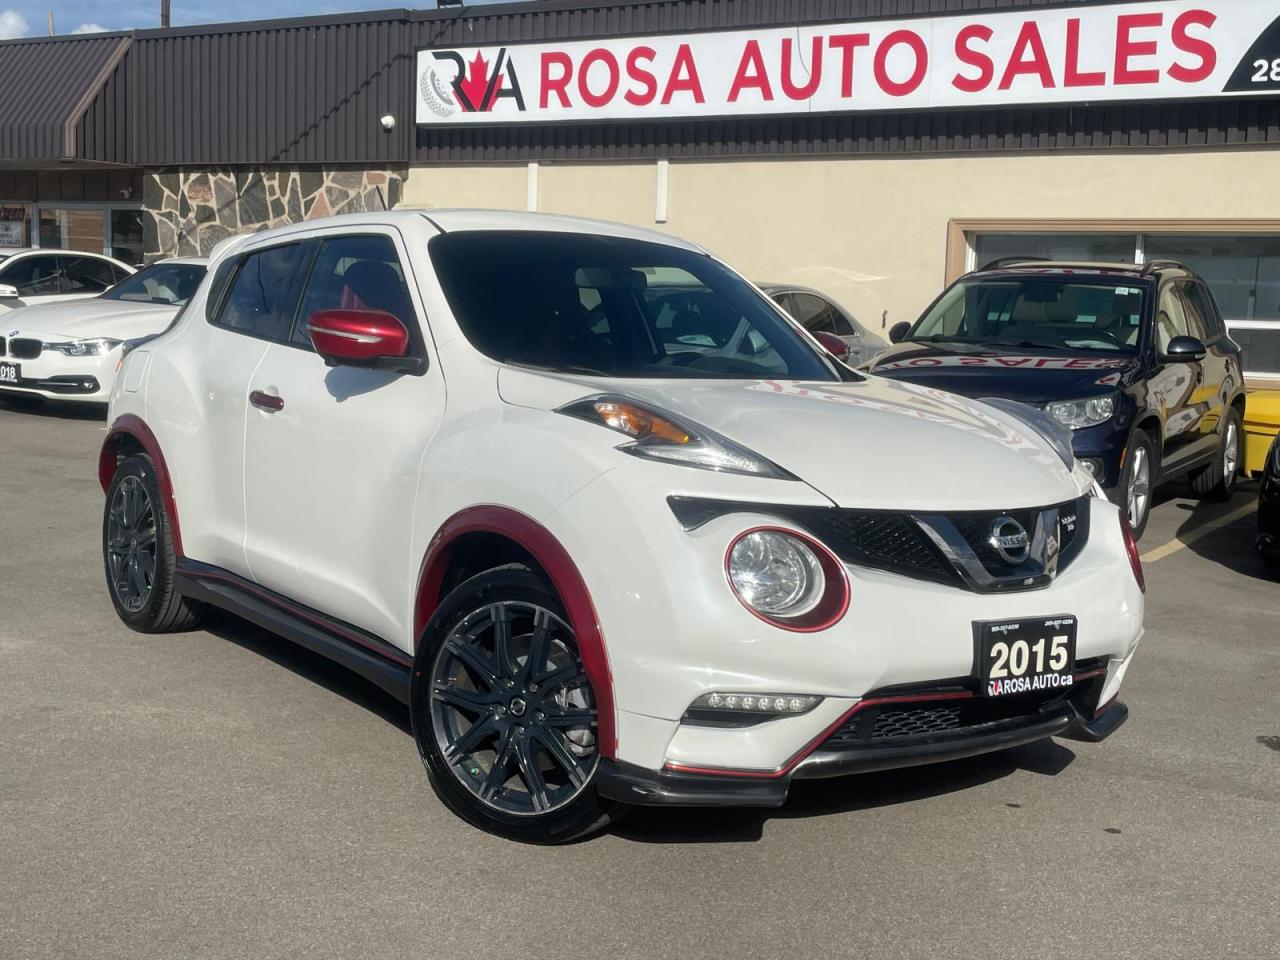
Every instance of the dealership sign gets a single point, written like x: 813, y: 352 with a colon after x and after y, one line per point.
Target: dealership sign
x: 1131, y: 51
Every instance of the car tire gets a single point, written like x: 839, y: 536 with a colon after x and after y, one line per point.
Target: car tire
x: 1137, y: 481
x: 529, y: 775
x: 138, y: 556
x: 1217, y: 481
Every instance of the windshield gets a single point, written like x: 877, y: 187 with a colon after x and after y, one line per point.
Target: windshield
x: 609, y: 306
x: 168, y: 283
x: 1046, y: 312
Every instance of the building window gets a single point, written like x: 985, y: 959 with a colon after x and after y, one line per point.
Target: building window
x: 1048, y: 246
x: 1243, y: 271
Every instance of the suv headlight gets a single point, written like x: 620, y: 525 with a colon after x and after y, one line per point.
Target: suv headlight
x: 85, y: 348
x: 658, y: 435
x: 1082, y: 413
x: 1048, y: 428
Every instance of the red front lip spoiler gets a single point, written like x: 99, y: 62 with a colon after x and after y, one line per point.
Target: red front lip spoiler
x: 799, y: 757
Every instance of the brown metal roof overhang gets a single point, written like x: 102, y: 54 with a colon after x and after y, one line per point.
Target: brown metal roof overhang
x: 46, y: 85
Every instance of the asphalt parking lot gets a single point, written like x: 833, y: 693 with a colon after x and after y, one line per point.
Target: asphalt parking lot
x: 225, y: 794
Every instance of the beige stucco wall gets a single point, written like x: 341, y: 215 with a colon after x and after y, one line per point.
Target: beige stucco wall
x: 872, y: 232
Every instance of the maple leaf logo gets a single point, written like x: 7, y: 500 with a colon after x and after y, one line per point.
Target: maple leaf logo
x: 474, y: 88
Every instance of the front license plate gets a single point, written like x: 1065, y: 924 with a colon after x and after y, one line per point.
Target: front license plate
x: 10, y: 373
x: 1025, y: 656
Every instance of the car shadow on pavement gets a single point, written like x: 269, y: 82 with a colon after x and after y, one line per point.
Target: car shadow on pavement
x: 310, y: 666
x: 1231, y: 546
x: 819, y: 798
x: 54, y: 411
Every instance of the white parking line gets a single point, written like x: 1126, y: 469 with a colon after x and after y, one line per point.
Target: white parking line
x: 1177, y: 543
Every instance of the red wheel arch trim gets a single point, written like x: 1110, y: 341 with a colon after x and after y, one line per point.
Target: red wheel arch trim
x: 129, y: 425
x: 565, y: 578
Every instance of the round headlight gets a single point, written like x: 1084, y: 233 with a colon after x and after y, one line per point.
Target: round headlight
x: 776, y: 573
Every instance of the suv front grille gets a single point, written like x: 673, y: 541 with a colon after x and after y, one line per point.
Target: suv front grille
x: 24, y: 348
x: 887, y: 725
x: 949, y: 548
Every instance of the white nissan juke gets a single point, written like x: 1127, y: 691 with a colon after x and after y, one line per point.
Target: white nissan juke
x: 612, y: 525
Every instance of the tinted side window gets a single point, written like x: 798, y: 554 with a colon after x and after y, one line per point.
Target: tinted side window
x: 261, y: 299
x: 1171, y: 320
x: 32, y: 275
x: 355, y: 273
x: 1200, y: 309
x: 86, y: 275
x: 119, y: 273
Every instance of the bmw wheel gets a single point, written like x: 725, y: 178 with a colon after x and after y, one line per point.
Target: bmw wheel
x: 138, y: 554
x: 503, y: 713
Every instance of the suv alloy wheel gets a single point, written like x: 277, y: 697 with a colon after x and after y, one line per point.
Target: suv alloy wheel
x: 1217, y: 480
x: 503, y: 713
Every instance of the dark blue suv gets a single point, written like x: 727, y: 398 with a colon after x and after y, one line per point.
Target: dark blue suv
x: 1134, y: 360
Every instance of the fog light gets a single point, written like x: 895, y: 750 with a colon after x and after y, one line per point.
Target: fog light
x: 752, y: 707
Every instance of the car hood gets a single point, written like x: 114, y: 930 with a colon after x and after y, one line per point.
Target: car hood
x: 94, y: 317
x: 875, y: 443
x: 1023, y: 375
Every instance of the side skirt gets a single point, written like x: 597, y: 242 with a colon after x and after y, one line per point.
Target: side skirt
x: 361, y: 652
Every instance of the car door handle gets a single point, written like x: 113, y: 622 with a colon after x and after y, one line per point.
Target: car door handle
x: 266, y: 401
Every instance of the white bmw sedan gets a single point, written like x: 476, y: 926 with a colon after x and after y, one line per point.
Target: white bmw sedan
x: 70, y: 350
x: 606, y: 558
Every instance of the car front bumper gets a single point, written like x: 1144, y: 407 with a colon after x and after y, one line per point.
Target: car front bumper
x: 55, y: 376
x: 676, y: 786
x: 674, y: 630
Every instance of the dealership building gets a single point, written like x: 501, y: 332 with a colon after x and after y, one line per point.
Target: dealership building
x: 863, y: 147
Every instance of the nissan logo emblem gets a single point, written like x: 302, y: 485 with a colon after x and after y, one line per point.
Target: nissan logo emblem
x: 1009, y: 540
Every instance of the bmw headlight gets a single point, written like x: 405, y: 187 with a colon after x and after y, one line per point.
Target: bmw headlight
x: 85, y: 348
x: 1082, y: 413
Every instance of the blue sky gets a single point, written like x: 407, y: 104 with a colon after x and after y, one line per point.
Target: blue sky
x: 19, y: 18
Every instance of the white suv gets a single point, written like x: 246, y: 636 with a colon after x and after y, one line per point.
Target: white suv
x: 607, y: 551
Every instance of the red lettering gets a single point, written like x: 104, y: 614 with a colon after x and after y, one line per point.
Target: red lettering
x: 1079, y: 363
x: 846, y: 43
x: 815, y: 72
x: 1194, y: 46
x: 757, y: 78
x: 1072, y: 77
x: 926, y: 362
x: 557, y: 85
x: 598, y: 55
x: 684, y: 77
x: 1029, y: 41
x: 887, y: 83
x: 973, y: 361
x: 645, y: 77
x: 973, y: 58
x: 1012, y: 361
x: 1127, y: 48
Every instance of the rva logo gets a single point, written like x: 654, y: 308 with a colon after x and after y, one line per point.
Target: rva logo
x: 450, y: 84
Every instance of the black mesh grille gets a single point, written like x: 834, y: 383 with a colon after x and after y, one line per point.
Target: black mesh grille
x: 2, y: 347
x: 23, y: 348
x: 889, y: 724
x: 889, y: 541
x: 976, y: 529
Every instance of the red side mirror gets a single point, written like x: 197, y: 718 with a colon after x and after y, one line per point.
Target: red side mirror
x: 357, y: 337
x: 833, y: 345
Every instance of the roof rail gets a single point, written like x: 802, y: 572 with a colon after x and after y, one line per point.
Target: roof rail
x: 1151, y: 266
x: 999, y: 262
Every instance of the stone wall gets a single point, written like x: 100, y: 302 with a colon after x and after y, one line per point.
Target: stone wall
x: 188, y: 211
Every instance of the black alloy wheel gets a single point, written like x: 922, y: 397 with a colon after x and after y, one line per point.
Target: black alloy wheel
x: 503, y: 712
x: 138, y: 555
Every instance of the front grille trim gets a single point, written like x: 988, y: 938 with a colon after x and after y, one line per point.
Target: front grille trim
x: 25, y: 348
x: 929, y: 545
